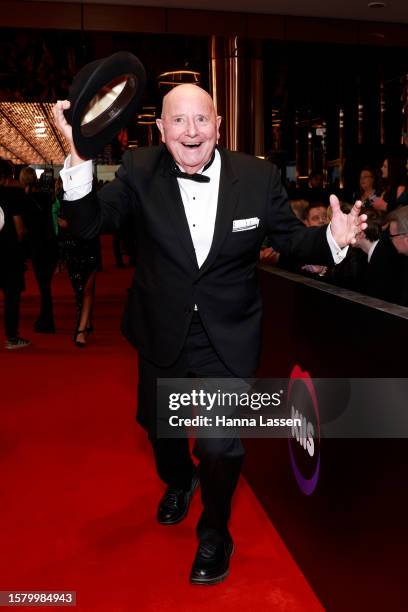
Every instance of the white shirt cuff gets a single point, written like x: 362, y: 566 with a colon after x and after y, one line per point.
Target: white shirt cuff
x: 371, y: 250
x: 337, y: 252
x: 77, y: 181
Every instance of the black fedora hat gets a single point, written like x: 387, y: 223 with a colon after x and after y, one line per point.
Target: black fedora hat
x: 104, y: 95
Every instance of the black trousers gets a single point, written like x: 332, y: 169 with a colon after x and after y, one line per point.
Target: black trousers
x: 12, y: 293
x: 220, y: 459
x: 44, y: 265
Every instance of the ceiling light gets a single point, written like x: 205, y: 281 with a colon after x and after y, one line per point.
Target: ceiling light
x: 176, y: 77
x: 376, y: 5
x: 28, y: 133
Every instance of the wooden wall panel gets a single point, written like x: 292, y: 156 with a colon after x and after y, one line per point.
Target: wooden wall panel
x: 321, y: 30
x: 384, y: 34
x: 206, y: 23
x: 47, y: 15
x: 266, y: 26
x: 112, y: 18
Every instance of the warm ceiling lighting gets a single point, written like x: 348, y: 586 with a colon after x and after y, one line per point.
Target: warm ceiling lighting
x: 276, y: 120
x: 147, y: 116
x: 13, y: 140
x: 146, y: 120
x: 6, y: 154
x: 177, y: 77
x: 28, y: 132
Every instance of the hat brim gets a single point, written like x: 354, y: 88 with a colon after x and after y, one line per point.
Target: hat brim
x: 91, y: 136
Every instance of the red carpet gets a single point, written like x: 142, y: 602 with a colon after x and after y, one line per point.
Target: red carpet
x: 78, y: 490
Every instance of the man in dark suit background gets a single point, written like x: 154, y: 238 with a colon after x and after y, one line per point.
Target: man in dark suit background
x: 399, y: 235
x: 11, y: 254
x: 200, y: 214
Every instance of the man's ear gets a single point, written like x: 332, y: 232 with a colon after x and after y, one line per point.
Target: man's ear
x: 159, y: 123
x: 219, y: 119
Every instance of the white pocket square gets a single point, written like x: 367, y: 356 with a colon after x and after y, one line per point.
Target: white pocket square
x: 242, y: 225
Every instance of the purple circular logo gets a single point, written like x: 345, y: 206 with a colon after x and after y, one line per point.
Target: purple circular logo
x: 304, y: 443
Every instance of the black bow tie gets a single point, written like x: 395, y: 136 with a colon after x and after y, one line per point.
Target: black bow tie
x: 199, y: 178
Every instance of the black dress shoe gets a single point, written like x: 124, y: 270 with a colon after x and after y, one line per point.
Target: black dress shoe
x: 174, y: 504
x: 211, y: 564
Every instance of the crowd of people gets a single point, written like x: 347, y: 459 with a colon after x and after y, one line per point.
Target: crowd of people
x: 33, y: 228
x: 377, y: 264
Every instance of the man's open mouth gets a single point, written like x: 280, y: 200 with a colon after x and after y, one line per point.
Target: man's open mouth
x: 194, y: 145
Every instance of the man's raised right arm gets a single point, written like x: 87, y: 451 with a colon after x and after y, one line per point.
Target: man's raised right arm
x: 88, y: 212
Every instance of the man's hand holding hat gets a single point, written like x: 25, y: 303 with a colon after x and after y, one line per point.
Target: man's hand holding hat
x: 64, y: 127
x: 103, y: 98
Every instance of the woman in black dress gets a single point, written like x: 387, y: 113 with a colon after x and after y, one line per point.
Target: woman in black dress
x: 83, y: 260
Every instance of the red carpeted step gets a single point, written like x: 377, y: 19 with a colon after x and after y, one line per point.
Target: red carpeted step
x: 78, y: 491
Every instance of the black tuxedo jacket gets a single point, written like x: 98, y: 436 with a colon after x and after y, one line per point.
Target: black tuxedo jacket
x: 384, y: 272
x: 168, y: 281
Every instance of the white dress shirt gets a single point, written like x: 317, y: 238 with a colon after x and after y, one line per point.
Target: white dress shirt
x: 371, y: 250
x: 200, y: 205
x: 76, y: 180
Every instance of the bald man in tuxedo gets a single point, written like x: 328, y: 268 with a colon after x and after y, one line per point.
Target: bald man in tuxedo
x: 199, y: 214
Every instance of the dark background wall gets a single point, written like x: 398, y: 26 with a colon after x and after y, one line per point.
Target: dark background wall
x: 311, y: 67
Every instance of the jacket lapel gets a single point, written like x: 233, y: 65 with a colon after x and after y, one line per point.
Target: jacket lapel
x: 170, y: 194
x: 227, y: 203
